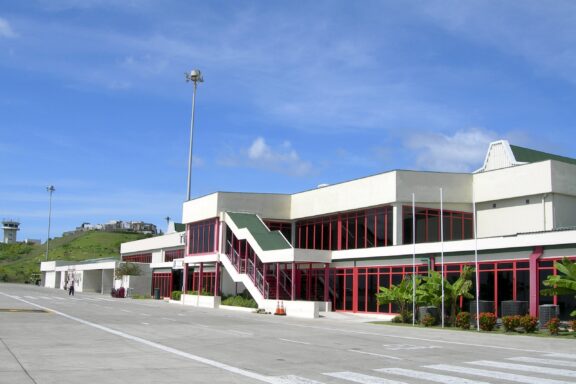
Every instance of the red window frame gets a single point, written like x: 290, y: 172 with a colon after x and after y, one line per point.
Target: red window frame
x: 199, y: 234
x: 307, y: 236
x: 173, y: 254
x: 162, y: 281
x: 138, y: 258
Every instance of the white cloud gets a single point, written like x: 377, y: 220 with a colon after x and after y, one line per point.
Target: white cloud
x: 281, y: 159
x: 5, y: 29
x: 464, y: 151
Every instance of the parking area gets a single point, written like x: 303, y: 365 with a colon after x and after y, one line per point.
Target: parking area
x: 48, y: 337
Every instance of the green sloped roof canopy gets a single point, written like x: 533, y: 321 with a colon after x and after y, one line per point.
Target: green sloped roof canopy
x: 266, y: 239
x: 526, y: 155
x: 178, y: 227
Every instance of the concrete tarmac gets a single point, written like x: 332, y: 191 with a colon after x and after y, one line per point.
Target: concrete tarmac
x: 47, y: 336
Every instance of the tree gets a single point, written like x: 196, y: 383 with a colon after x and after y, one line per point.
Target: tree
x: 563, y: 283
x: 430, y: 291
x: 127, y: 269
x: 400, y: 295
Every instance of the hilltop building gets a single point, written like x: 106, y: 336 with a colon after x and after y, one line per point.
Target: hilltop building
x: 331, y: 248
x: 10, y: 228
x: 117, y: 226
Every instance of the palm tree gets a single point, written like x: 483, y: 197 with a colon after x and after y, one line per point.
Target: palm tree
x: 430, y: 291
x: 563, y: 284
x: 401, y: 295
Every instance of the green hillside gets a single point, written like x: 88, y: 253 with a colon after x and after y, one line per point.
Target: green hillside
x: 18, y: 262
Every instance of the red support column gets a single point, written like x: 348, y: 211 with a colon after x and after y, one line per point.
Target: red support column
x: 200, y: 277
x: 293, y: 288
x: 264, y: 282
x: 184, y: 277
x: 277, y: 281
x: 534, y: 283
x: 326, y: 286
x: 355, y: 289
x: 309, y: 282
x: 339, y: 233
x: 217, y: 280
x: 217, y: 230
x: 254, y: 261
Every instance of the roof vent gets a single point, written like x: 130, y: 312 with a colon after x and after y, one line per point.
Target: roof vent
x: 322, y: 185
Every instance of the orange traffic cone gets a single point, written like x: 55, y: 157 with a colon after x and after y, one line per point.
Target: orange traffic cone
x: 282, y: 309
x: 278, y: 310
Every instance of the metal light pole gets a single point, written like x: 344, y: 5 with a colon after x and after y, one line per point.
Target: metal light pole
x: 194, y: 76
x: 50, y: 190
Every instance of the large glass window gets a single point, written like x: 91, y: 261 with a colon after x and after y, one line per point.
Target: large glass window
x: 350, y: 230
x: 202, y: 236
x: 173, y: 254
x: 282, y: 226
x: 457, y: 225
x: 138, y: 258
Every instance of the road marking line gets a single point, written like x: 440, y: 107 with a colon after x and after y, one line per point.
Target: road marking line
x: 126, y: 310
x: 389, y: 335
x: 186, y: 355
x: 374, y: 354
x: 408, y: 347
x: 240, y: 333
x: 144, y: 314
x: 30, y: 297
x: 429, y: 376
x: 526, y: 368
x: 361, y: 378
x: 291, y: 379
x: 165, y: 318
x: 146, y: 323
x: 45, y: 298
x: 60, y: 298
x: 295, y: 341
x: 562, y: 355
x: 535, y: 360
x: 494, y: 374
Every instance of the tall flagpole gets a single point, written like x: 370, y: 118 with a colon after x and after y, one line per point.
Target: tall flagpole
x: 442, y: 250
x: 477, y: 272
x: 413, y: 260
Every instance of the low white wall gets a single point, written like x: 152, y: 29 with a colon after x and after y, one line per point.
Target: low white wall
x: 140, y: 285
x: 302, y: 309
x: 92, y: 281
x: 50, y: 279
x: 229, y: 286
x: 201, y: 301
x: 107, y: 280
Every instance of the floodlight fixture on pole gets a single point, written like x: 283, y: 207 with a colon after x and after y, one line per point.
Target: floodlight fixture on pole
x: 50, y: 189
x: 194, y: 76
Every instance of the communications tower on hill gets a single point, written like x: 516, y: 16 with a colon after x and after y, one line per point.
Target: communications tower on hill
x: 10, y: 227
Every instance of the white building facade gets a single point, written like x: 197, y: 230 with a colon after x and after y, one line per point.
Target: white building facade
x: 332, y: 248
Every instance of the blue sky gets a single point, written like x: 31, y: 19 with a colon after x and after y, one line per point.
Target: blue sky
x: 297, y: 93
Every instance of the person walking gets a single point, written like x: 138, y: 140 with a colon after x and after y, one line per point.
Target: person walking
x: 71, y: 287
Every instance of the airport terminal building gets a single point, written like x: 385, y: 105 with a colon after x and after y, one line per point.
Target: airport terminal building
x: 333, y: 247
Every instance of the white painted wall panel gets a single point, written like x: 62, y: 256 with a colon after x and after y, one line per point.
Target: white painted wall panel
x: 361, y: 193
x: 564, y: 211
x: 521, y: 180
x: 202, y: 208
x: 563, y: 178
x: 153, y: 243
x: 456, y: 187
x: 266, y: 205
x: 512, y: 216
